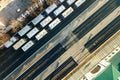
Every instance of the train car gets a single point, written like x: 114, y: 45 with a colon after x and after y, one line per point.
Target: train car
x: 19, y: 44
x: 36, y: 20
x: 70, y: 2
x: 67, y: 12
x: 13, y: 39
x: 50, y: 8
x: 79, y: 2
x: 54, y: 23
x: 59, y: 10
x: 32, y: 32
x: 41, y: 34
x: 27, y: 45
x: 46, y: 21
x: 62, y: 70
x: 10, y: 42
x: 61, y: 1
x: 24, y: 30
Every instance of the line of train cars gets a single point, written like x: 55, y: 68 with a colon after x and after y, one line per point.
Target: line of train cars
x: 50, y: 18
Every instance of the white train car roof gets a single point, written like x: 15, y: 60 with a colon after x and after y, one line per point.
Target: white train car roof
x: 59, y: 10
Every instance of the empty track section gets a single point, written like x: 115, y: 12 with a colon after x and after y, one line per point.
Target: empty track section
x: 103, y: 35
x: 96, y: 18
x: 43, y: 63
x: 62, y: 70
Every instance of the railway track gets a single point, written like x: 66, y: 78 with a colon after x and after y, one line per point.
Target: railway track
x: 103, y: 35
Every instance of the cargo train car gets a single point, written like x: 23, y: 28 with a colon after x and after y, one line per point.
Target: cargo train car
x: 70, y: 2
x: 79, y: 3
x: 41, y: 34
x: 67, y: 12
x: 32, y: 32
x: 54, y: 23
x: 24, y: 30
x: 27, y: 45
x: 19, y: 44
x: 59, y: 10
x: 10, y: 42
x: 50, y: 8
x: 46, y: 21
x: 61, y: 1
x: 36, y: 20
